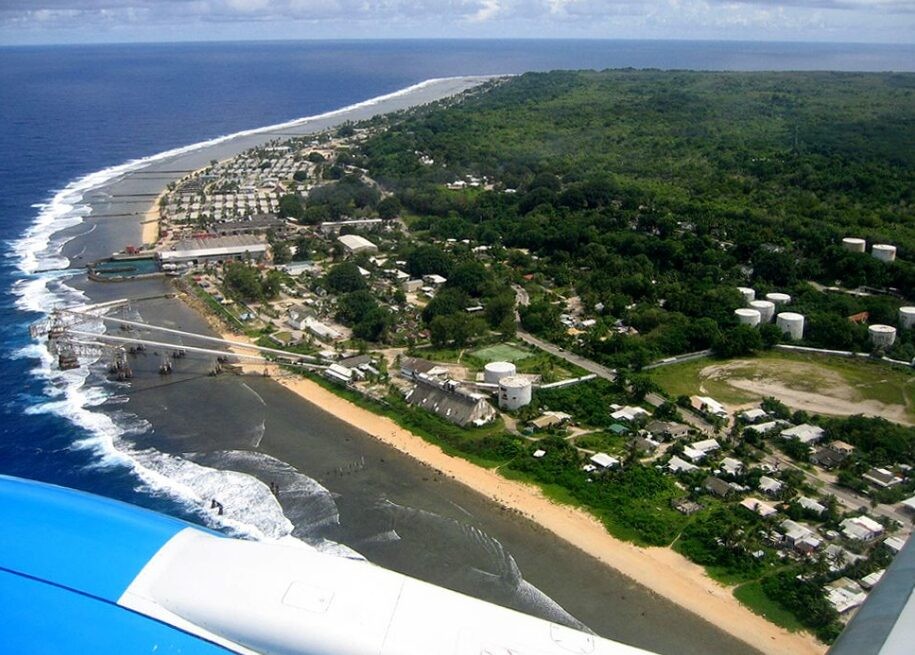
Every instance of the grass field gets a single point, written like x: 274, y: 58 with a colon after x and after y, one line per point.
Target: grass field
x: 501, y: 352
x: 826, y: 385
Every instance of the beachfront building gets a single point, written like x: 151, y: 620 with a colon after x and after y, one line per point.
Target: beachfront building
x: 215, y: 249
x: 844, y: 594
x: 451, y: 403
x: 354, y: 244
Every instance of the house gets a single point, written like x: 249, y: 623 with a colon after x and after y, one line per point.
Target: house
x: 550, y: 419
x: 539, y: 453
x: 838, y: 558
x: 297, y: 316
x: 870, y: 580
x: 708, y: 406
x: 677, y: 465
x: 880, y: 477
x: 411, y: 286
x: 800, y: 537
x: 321, y: 330
x: 842, y: 447
x: 451, y: 403
x: 753, y: 415
x: 765, y: 428
x: 434, y: 280
x: 827, y: 458
x: 717, y: 487
x: 861, y: 528
x: 805, y: 433
x: 629, y: 413
x: 646, y: 444
x: 665, y: 430
x: 618, y: 429
x: 844, y: 594
x: 604, y: 461
x: 693, y: 454
x: 414, y: 367
x: 758, y: 506
x: 811, y: 505
x: 353, y: 244
x: 770, y: 486
x: 706, y: 446
x: 909, y: 503
x: 895, y: 544
x: 685, y: 506
x: 731, y: 466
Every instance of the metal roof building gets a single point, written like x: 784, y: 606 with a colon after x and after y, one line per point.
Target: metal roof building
x: 215, y: 249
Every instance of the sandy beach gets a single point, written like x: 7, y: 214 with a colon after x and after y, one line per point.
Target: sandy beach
x: 662, y: 570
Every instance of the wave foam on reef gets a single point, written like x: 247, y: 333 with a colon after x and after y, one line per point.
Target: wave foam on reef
x: 251, y: 510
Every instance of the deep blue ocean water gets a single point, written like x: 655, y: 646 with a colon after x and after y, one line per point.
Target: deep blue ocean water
x: 66, y: 112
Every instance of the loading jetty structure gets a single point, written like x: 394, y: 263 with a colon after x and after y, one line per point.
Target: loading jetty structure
x: 69, y: 336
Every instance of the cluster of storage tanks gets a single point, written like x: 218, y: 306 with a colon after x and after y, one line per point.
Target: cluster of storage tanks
x: 882, y: 251
x: 515, y: 391
x: 763, y: 311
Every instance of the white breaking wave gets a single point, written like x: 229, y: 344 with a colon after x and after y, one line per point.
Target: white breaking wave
x: 250, y: 509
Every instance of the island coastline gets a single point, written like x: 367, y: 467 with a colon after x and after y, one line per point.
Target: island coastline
x: 659, y: 569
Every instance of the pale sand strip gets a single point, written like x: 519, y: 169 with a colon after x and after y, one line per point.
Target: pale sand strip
x: 150, y: 223
x: 661, y: 570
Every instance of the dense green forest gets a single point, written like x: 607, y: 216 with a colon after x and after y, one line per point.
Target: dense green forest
x: 651, y: 195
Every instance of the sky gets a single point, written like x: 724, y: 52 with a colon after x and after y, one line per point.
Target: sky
x: 106, y: 21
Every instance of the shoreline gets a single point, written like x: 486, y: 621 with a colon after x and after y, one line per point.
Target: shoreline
x: 681, y: 582
x: 659, y: 569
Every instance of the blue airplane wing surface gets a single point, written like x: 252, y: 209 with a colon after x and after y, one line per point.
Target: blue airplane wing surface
x: 37, y: 618
x: 53, y: 534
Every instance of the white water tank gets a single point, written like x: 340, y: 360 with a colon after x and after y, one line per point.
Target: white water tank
x: 791, y: 324
x: 514, y: 392
x: 853, y: 244
x: 778, y: 298
x: 906, y: 317
x: 883, y: 336
x: 495, y: 371
x: 766, y: 309
x: 884, y: 252
x: 747, y: 316
x: 749, y: 295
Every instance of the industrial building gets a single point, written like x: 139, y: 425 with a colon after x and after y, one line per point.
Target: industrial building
x: 353, y: 244
x: 215, y: 249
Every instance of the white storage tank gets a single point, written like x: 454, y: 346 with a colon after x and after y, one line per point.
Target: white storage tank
x: 495, y: 371
x: 884, y: 252
x: 882, y: 335
x: 766, y: 309
x: 791, y: 324
x: 747, y: 316
x: 749, y: 295
x: 906, y: 317
x: 853, y: 244
x: 778, y: 298
x: 514, y: 392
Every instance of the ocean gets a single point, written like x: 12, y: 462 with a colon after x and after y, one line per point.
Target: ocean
x: 71, y: 116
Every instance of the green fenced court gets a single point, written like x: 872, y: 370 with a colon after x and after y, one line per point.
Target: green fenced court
x: 501, y: 352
